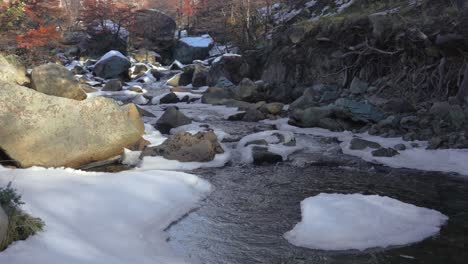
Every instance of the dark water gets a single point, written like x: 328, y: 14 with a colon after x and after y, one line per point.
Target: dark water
x: 243, y: 220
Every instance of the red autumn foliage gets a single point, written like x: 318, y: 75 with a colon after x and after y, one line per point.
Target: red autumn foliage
x: 37, y: 37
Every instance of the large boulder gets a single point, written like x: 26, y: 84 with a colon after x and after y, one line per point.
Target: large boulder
x: 359, y: 111
x: 3, y: 224
x: 56, y: 80
x: 12, y: 71
x: 112, y: 66
x: 189, y: 49
x: 156, y: 27
x: 52, y: 131
x: 171, y: 118
x: 103, y: 37
x: 230, y: 66
x: 185, y: 147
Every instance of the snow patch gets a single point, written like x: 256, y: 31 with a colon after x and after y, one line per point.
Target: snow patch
x: 204, y: 41
x: 95, y: 218
x: 356, y: 221
x: 419, y: 157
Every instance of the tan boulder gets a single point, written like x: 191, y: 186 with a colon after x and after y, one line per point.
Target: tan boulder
x: 56, y: 80
x: 49, y: 131
x: 12, y: 71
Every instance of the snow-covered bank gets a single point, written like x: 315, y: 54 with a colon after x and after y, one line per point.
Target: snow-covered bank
x: 94, y: 218
x: 355, y: 221
x: 420, y: 158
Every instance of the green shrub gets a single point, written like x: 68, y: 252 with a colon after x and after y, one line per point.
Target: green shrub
x: 21, y: 225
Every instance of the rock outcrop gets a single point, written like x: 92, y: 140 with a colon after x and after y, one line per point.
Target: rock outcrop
x: 51, y: 131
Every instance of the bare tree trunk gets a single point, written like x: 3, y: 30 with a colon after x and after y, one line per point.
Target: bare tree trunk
x: 463, y: 90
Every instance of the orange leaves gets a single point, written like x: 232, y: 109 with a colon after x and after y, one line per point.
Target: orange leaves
x: 37, y: 37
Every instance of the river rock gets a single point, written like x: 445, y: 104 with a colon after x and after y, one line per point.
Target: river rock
x: 261, y: 155
x: 114, y: 85
x: 3, y: 224
x: 56, y: 80
x: 185, y: 147
x: 171, y: 118
x: 51, y: 131
x: 361, y: 144
x: 189, y: 49
x: 12, y: 71
x: 385, y: 152
x: 112, y: 66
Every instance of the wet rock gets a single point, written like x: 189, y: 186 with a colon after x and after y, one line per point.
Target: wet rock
x: 112, y: 66
x: 185, y: 147
x: 56, y: 80
x: 385, y: 152
x: 261, y: 155
x: 114, y: 85
x: 400, y: 147
x: 12, y: 71
x: 361, y: 144
x: 171, y: 118
x: 51, y: 131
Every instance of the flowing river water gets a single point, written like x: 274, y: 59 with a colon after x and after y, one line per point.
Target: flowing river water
x: 251, y: 207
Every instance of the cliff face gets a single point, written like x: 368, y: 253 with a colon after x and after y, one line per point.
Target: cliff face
x: 416, y: 49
